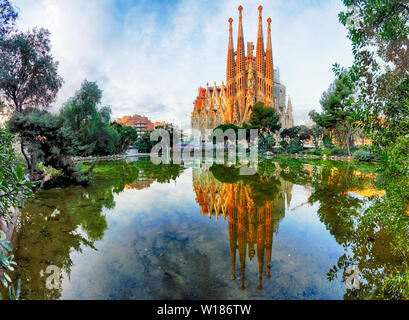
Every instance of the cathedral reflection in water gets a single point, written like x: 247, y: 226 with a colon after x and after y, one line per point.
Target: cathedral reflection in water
x: 252, y: 218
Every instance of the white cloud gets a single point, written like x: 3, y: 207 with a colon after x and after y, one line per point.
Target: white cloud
x: 152, y: 63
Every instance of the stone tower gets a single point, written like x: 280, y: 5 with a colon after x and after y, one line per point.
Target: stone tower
x: 269, y: 70
x: 231, y: 76
x: 241, y: 72
x: 260, y: 62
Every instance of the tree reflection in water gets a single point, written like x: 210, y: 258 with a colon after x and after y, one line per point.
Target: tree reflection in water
x: 59, y: 221
x: 344, y: 191
x: 254, y: 206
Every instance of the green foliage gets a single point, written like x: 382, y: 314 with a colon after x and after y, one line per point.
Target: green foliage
x: 305, y: 133
x: 127, y: 137
x: 338, y: 152
x: 295, y: 146
x: 92, y: 132
x: 290, y: 133
x: 144, y: 143
x: 338, y: 112
x: 79, y: 129
x: 227, y: 126
x: 14, y: 184
x: 15, y: 188
x: 327, y: 141
x: 365, y: 155
x: 326, y: 152
x: 7, y: 265
x: 269, y: 142
x: 315, y: 152
x: 284, y: 144
x: 46, y: 141
x: 380, y: 38
x: 296, y: 136
x: 264, y: 119
x: 379, y: 33
x: 28, y: 72
x: 8, y: 16
x: 235, y: 128
x: 316, y: 134
x: 395, y: 287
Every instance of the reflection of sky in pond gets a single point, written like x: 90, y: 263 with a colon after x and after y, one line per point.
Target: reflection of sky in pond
x: 159, y: 244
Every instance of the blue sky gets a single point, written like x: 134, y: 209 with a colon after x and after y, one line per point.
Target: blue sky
x: 150, y: 57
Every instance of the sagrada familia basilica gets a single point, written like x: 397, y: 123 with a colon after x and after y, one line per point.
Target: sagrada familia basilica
x: 250, y: 79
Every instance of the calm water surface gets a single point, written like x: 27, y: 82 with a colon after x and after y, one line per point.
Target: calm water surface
x: 145, y: 231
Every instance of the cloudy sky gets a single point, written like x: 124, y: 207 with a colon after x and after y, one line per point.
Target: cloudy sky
x: 150, y: 57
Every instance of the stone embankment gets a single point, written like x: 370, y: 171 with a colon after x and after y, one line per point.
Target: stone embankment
x: 308, y: 156
x: 109, y: 158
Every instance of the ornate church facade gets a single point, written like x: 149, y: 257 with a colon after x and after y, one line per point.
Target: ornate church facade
x: 249, y: 79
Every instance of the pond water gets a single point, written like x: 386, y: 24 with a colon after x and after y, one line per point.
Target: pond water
x: 202, y: 231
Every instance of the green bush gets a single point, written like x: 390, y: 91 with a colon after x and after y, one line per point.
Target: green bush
x: 327, y: 141
x: 295, y: 146
x: 326, y: 152
x: 15, y: 189
x: 365, y: 155
x: 338, y: 152
x: 315, y: 152
x: 269, y: 142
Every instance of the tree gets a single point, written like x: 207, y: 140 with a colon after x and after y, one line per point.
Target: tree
x: 8, y: 16
x: 264, y: 119
x: 144, y: 143
x: 379, y: 33
x: 93, y: 133
x: 127, y: 136
x: 338, y: 112
x: 290, y: 133
x: 47, y: 142
x: 294, y: 138
x: 224, y: 127
x: 305, y: 133
x: 269, y: 142
x: 28, y: 72
x: 316, y: 135
x: 82, y: 108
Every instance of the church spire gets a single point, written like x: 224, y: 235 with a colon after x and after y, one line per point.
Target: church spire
x: 260, y: 44
x: 269, y: 67
x: 289, y: 114
x: 231, y: 75
x: 289, y: 106
x: 241, y: 59
x: 230, y: 56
